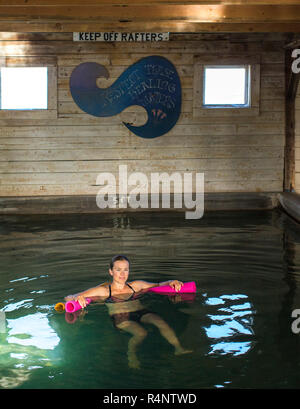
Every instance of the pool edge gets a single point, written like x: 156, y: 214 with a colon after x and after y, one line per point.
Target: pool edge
x: 290, y: 202
x: 84, y: 204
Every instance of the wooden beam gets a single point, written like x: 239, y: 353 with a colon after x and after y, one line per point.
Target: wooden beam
x: 163, y: 26
x: 232, y: 37
x: 292, y: 86
x: 89, y: 3
x: 68, y: 16
x: 152, y: 13
x: 291, y: 78
x: 292, y: 82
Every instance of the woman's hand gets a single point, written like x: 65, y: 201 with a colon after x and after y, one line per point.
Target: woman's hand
x: 82, y: 301
x: 175, y: 284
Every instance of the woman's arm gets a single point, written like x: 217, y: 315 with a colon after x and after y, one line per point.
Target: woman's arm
x: 99, y: 291
x: 140, y: 285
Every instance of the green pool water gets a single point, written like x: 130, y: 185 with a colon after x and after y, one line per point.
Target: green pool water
x: 238, y: 326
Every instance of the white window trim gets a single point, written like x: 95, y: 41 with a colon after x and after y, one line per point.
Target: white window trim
x: 51, y: 111
x: 200, y: 110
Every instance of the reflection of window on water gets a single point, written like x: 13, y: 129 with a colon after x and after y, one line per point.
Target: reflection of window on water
x: 28, y: 340
x: 33, y: 330
x: 233, y: 316
x: 234, y: 348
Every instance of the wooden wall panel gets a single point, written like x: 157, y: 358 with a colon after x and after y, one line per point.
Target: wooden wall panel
x: 64, y: 154
x: 297, y: 141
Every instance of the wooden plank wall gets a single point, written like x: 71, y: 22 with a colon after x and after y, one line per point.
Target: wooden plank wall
x: 297, y: 141
x: 64, y: 155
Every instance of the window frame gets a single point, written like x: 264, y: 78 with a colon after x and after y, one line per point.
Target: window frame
x: 51, y: 111
x: 200, y: 62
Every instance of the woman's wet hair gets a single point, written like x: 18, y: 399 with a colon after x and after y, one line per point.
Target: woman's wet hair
x: 118, y: 257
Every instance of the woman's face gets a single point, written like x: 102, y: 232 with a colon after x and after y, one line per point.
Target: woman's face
x: 120, y: 271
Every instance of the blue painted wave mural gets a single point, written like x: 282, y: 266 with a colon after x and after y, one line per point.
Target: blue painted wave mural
x: 152, y: 82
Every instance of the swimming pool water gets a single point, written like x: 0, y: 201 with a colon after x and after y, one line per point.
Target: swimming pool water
x: 246, y: 266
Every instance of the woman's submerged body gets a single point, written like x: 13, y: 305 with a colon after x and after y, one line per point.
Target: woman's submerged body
x: 127, y: 312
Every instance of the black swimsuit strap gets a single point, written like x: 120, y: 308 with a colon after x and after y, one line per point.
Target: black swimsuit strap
x: 130, y: 287
x: 109, y: 286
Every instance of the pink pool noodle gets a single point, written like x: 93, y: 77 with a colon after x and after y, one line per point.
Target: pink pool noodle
x: 189, y: 287
x: 72, y: 306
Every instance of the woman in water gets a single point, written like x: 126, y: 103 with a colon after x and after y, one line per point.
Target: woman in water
x: 126, y: 310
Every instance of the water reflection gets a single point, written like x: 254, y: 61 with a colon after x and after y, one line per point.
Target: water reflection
x: 230, y: 319
x: 32, y: 330
x: 2, y: 322
x: 25, y: 342
x: 232, y: 348
x: 244, y: 263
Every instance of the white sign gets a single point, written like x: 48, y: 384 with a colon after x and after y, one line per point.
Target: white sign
x: 110, y: 36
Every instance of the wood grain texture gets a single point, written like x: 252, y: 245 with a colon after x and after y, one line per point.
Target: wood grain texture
x: 136, y: 15
x: 62, y: 155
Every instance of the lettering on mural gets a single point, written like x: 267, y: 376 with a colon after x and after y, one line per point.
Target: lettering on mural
x: 152, y: 83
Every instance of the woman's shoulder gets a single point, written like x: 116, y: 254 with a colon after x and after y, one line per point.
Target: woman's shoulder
x: 139, y: 285
x: 103, y: 289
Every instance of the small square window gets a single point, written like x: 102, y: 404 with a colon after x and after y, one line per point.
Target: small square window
x: 226, y: 86
x: 24, y: 88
